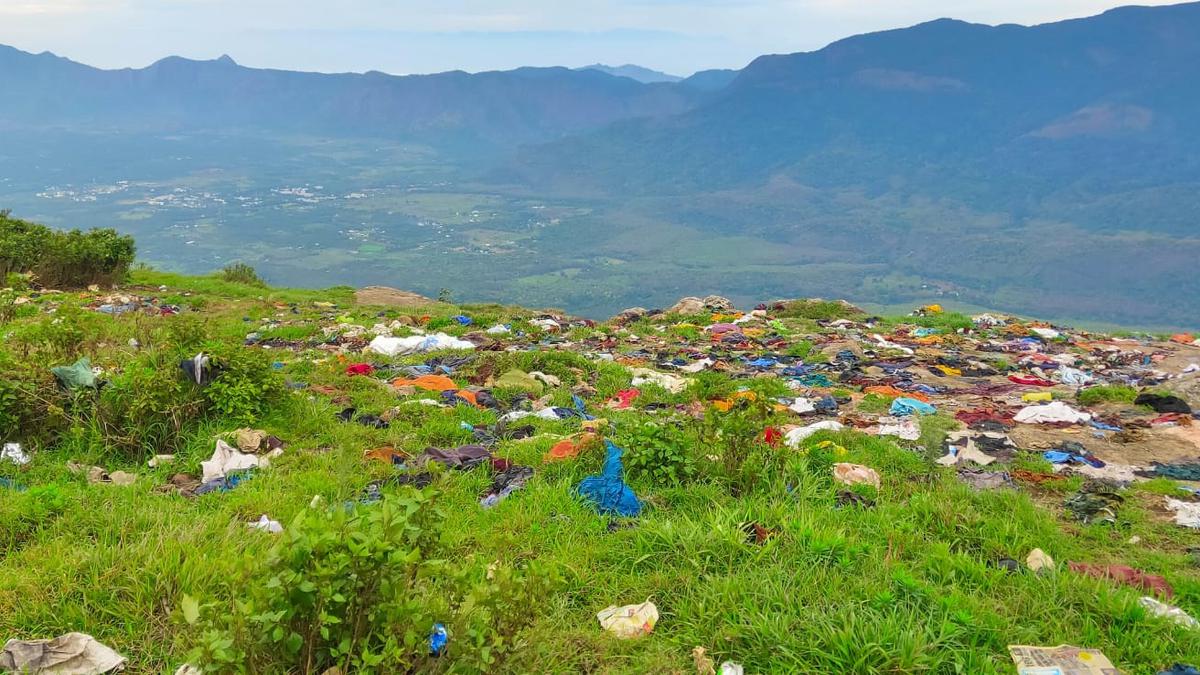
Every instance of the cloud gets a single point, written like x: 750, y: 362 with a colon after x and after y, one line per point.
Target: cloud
x: 30, y: 8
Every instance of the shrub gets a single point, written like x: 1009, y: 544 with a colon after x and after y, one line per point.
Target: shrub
x: 241, y: 273
x: 360, y: 589
x: 69, y: 259
x: 660, y: 453
x: 246, y: 385
x: 819, y: 310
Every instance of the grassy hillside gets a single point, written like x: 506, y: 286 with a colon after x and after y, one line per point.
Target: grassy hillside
x: 903, y: 578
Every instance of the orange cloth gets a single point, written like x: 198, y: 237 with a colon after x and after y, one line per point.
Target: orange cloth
x: 895, y: 393
x: 427, y: 382
x: 725, y: 405
x: 569, y: 448
x: 468, y: 396
x: 1183, y: 338
x: 386, y: 454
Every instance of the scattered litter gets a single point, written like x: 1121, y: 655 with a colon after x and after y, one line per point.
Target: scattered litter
x: 70, y: 654
x: 438, y: 638
x: 1060, y: 660
x: 855, y: 474
x: 1168, y: 612
x: 608, y: 491
x: 1037, y: 560
x: 265, y: 524
x: 12, y: 452
x: 1187, y: 514
x: 630, y: 621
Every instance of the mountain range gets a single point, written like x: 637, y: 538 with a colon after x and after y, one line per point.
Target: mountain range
x: 1053, y: 168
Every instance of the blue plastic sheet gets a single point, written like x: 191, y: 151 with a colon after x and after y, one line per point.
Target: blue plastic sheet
x: 608, y: 491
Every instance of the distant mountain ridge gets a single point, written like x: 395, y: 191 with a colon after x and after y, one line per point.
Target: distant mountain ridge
x: 635, y: 72
x: 502, y: 107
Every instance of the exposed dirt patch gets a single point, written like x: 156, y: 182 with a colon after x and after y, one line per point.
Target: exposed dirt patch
x: 390, y: 297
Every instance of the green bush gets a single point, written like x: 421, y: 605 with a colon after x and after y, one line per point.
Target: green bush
x: 241, y: 273
x: 246, y: 385
x: 71, y: 259
x: 1117, y: 393
x: 818, y: 310
x: 360, y: 589
x: 660, y: 453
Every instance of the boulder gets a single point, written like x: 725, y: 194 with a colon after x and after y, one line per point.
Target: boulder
x: 687, y: 305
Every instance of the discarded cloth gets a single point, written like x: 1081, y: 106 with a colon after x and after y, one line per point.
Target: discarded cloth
x: 427, y: 382
x: 12, y: 452
x: 1187, y: 514
x: 225, y: 459
x: 1164, y: 403
x: 793, y: 438
x: 1094, y: 507
x: 463, y: 457
x: 608, y: 491
x: 985, y: 480
x: 855, y: 474
x: 1125, y: 575
x: 505, y: 483
x: 629, y: 621
x: 569, y: 448
x: 1051, y: 413
x: 78, y: 375
x: 1037, y: 560
x: 393, y: 346
x: 70, y: 654
x: 903, y: 407
x: 198, y: 369
x: 671, y: 383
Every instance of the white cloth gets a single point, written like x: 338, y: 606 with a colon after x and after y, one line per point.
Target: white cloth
x: 226, y: 459
x: 13, y: 453
x: 802, y: 405
x: 671, y: 383
x: 1056, y: 411
x: 1187, y: 514
x: 793, y: 438
x: 393, y: 346
x: 498, y: 329
x: 901, y: 427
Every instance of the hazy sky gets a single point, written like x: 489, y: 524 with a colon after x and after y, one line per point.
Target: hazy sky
x: 419, y: 36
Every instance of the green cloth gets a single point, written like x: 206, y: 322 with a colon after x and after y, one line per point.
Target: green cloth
x: 78, y: 375
x: 519, y: 379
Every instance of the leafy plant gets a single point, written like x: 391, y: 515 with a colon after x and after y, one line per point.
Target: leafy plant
x: 241, y: 273
x: 246, y: 385
x: 661, y: 453
x: 360, y: 589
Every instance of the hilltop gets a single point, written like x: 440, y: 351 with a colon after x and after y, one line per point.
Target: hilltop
x: 801, y: 487
x: 1007, y: 166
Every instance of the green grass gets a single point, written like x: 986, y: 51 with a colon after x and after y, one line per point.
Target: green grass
x: 1106, y: 394
x: 906, y: 586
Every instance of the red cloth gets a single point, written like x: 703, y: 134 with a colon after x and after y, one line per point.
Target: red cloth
x: 1031, y: 380
x: 772, y: 436
x: 360, y: 369
x: 624, y: 398
x: 969, y: 417
x: 1125, y: 575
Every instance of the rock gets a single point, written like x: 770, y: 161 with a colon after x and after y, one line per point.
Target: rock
x: 717, y: 303
x: 631, y: 314
x: 688, y: 305
x: 392, y: 297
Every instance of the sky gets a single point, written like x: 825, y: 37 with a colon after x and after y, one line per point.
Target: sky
x: 424, y: 36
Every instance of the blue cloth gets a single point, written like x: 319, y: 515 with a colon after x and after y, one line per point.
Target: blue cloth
x: 762, y: 362
x: 925, y: 332
x: 438, y: 639
x: 463, y: 320
x: 903, y: 407
x: 1060, y: 457
x: 796, y: 370
x: 608, y: 491
x: 1105, y: 427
